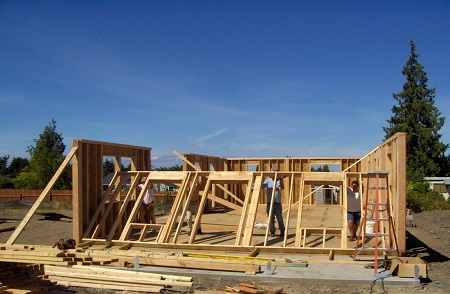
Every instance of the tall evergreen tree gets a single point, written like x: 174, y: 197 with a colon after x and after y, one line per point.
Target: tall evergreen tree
x: 416, y: 115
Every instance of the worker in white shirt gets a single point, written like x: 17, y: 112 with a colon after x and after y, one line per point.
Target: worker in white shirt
x: 147, y: 209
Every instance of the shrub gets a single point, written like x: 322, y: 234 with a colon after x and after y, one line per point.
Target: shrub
x: 419, y: 197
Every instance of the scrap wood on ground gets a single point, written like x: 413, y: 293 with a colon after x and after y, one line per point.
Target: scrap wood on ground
x: 249, y: 288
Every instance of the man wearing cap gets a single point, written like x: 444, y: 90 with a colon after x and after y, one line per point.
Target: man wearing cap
x: 277, y: 212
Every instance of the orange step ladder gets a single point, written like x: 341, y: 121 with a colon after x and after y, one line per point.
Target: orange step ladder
x: 377, y: 209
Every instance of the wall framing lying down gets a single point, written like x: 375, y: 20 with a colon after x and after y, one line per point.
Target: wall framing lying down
x: 227, y: 184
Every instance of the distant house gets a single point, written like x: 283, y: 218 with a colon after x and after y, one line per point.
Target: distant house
x: 440, y: 184
x: 166, y: 187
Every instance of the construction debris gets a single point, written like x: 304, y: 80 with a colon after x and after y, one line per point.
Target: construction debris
x: 68, y: 244
x: 249, y: 288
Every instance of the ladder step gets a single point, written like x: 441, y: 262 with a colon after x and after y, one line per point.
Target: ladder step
x: 379, y: 249
x: 380, y: 210
x: 379, y: 235
x: 380, y: 203
x: 381, y: 219
x: 377, y: 172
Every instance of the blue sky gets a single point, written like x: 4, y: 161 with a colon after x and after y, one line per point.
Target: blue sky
x: 221, y: 78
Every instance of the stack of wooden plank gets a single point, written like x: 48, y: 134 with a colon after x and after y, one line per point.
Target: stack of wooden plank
x: 51, y: 258
x: 54, y: 268
x: 24, y: 278
x: 116, y: 279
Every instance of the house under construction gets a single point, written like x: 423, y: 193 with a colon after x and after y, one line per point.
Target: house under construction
x: 232, y: 204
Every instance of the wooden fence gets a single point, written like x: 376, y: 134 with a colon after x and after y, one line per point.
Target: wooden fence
x: 57, y: 195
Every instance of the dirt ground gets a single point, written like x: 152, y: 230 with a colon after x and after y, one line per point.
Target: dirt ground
x: 429, y: 239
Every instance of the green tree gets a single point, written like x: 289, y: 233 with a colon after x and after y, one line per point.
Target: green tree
x: 45, y: 158
x: 17, y: 165
x: 108, y: 167
x: 5, y: 180
x: 170, y: 168
x: 321, y: 168
x: 4, y: 164
x: 416, y: 115
x: 11, y: 170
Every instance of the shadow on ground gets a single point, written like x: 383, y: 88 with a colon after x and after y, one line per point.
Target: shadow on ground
x: 418, y: 248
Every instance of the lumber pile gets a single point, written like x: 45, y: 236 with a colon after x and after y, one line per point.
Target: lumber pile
x: 46, y: 268
x: 116, y: 279
x: 24, y: 278
x: 48, y: 257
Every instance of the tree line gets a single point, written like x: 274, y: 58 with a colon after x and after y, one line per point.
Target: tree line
x: 46, y: 156
x: 414, y: 113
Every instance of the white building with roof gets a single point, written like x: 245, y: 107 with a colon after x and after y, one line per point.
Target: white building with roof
x: 440, y: 184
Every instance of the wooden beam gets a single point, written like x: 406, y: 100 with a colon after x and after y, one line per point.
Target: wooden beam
x: 323, y: 177
x: 203, y: 264
x: 41, y: 197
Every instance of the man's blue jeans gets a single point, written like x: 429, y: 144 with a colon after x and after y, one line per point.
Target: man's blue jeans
x: 278, y: 213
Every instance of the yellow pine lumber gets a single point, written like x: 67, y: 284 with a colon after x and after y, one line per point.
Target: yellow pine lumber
x: 215, y: 260
x: 126, y: 272
x: 224, y: 256
x: 40, y: 261
x: 117, y: 280
x: 30, y: 253
x: 18, y: 291
x: 68, y: 256
x: 101, y: 285
x: 37, y: 258
x: 88, y: 274
x: 41, y: 197
x: 235, y: 267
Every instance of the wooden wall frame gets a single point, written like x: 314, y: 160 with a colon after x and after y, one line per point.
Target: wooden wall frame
x: 87, y: 172
x: 99, y: 218
x: 228, y: 183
